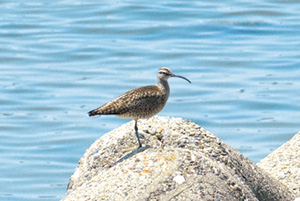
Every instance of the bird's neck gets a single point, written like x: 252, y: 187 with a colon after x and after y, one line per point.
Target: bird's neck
x: 164, y: 86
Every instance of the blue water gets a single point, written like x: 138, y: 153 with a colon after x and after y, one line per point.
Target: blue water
x: 60, y: 59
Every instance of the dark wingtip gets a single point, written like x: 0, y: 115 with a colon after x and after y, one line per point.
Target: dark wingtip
x: 92, y: 113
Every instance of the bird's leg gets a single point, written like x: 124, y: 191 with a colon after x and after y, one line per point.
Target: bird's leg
x: 137, y: 134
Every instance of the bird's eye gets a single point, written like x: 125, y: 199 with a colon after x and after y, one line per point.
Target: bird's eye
x: 163, y: 73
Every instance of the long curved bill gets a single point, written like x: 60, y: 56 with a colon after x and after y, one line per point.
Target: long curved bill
x: 173, y: 75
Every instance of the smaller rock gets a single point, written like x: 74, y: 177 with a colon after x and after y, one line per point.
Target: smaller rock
x: 284, y: 164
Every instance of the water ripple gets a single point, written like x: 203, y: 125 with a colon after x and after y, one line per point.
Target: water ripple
x: 61, y: 59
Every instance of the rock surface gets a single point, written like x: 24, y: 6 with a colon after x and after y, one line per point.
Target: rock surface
x: 284, y: 164
x: 179, y: 161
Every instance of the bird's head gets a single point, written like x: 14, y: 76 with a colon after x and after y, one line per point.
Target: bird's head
x: 165, y: 73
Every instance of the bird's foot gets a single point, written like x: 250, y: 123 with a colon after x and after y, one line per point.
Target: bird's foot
x: 141, y: 136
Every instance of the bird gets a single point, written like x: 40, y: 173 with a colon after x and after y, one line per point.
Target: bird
x: 140, y: 103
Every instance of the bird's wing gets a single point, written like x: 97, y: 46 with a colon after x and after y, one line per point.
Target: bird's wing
x: 127, y: 101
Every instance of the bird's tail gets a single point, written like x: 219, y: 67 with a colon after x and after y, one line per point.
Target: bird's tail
x: 93, y: 113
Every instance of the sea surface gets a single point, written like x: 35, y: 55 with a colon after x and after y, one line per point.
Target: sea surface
x: 60, y: 59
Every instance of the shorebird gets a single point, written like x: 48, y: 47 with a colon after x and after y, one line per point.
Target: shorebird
x: 140, y: 103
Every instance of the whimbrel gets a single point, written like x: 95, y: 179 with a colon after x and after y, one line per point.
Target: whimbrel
x: 140, y: 103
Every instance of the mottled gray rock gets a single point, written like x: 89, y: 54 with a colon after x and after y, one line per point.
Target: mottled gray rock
x: 284, y: 164
x: 180, y: 161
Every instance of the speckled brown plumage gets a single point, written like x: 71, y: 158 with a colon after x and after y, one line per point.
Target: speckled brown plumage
x: 139, y: 103
x: 143, y: 102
